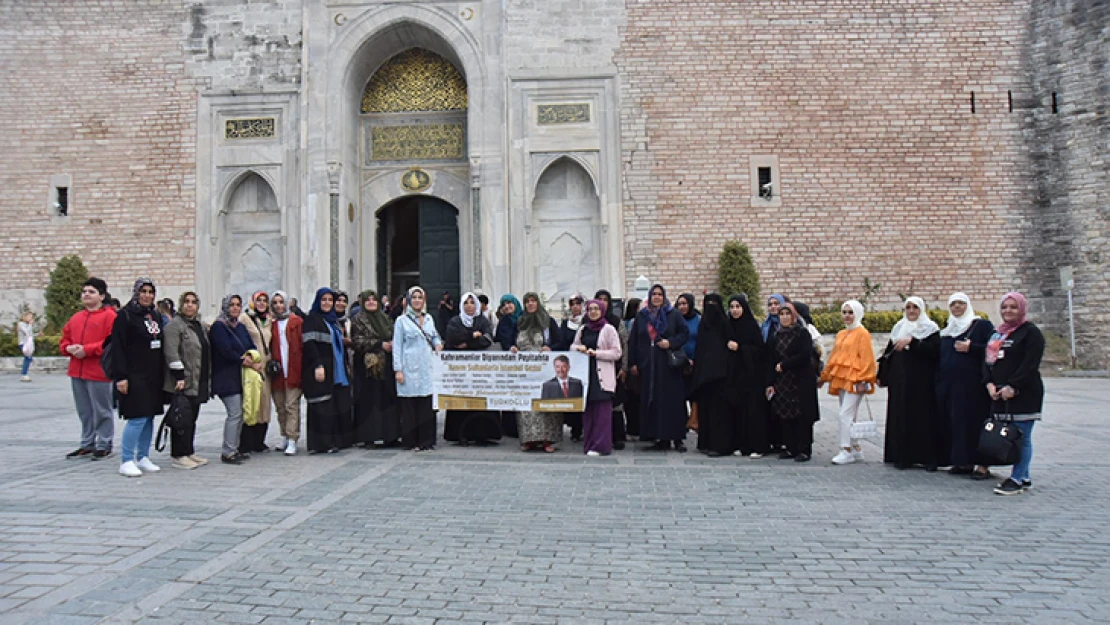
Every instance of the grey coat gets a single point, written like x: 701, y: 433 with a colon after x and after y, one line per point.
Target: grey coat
x: 182, y: 349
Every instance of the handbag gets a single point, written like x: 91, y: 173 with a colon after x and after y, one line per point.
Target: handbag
x: 29, y: 349
x: 677, y: 359
x: 883, y: 369
x: 273, y: 368
x: 176, y: 419
x: 1000, y: 441
x: 865, y: 429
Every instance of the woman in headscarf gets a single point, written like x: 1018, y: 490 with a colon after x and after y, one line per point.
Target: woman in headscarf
x: 230, y: 344
x: 915, y: 433
x: 286, y: 348
x: 717, y: 434
x: 631, y: 380
x: 376, y: 420
x: 415, y: 343
x: 257, y: 322
x: 535, y: 330
x: 189, y: 372
x: 599, y: 340
x: 747, y: 379
x: 562, y: 342
x: 1012, y: 372
x: 324, y: 376
x: 620, y: 396
x: 685, y: 305
x: 137, y: 338
x: 850, y: 374
x: 771, y: 323
x: 962, y: 400
x: 793, y: 391
x: 659, y: 329
x: 470, y: 330
x: 509, y: 312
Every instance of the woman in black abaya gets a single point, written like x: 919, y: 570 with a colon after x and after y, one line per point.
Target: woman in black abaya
x: 659, y: 329
x: 709, y: 382
x: 747, y: 378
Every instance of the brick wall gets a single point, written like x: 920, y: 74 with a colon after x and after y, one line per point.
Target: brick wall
x: 97, y: 91
x: 885, y: 172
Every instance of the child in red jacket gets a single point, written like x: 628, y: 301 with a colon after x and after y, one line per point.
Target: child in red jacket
x: 83, y: 341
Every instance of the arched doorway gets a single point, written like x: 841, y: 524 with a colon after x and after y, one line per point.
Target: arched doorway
x: 414, y: 143
x: 418, y: 243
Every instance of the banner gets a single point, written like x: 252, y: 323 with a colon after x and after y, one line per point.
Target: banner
x: 538, y: 381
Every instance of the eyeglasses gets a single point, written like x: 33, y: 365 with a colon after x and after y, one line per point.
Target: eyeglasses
x: 848, y: 313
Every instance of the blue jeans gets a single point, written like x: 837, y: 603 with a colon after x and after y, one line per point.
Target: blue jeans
x: 136, y: 439
x: 1020, y: 471
x: 26, y: 364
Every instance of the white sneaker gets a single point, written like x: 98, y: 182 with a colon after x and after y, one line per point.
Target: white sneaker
x: 130, y: 469
x: 857, y: 455
x: 593, y: 453
x: 146, y: 466
x: 290, y: 447
x: 25, y: 378
x: 755, y: 455
x: 843, y: 458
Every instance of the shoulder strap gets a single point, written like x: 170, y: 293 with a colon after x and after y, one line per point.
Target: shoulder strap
x: 416, y: 323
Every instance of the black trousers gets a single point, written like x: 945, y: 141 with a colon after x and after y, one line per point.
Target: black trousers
x: 252, y: 438
x: 797, y: 435
x: 181, y: 441
x: 619, y: 435
x: 418, y: 422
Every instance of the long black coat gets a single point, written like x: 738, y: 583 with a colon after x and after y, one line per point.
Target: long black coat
x: 796, y: 385
x: 916, y: 432
x: 1019, y: 366
x: 318, y: 352
x: 662, y: 392
x: 138, y: 336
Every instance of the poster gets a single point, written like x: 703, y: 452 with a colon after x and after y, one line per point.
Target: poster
x: 539, y: 381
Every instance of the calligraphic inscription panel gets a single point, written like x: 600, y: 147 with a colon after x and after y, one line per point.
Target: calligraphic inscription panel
x: 418, y: 142
x: 256, y: 128
x: 550, y: 114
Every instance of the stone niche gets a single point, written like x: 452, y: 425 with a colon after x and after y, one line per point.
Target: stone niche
x: 253, y: 248
x: 566, y: 232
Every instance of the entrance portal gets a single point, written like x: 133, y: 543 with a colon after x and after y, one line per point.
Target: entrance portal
x: 418, y: 244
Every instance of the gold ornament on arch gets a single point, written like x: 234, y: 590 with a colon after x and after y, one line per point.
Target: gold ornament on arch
x: 415, y: 81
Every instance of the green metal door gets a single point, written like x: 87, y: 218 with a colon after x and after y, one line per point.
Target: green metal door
x: 439, y: 249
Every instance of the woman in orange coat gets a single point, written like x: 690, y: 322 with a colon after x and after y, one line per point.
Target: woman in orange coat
x: 851, y: 375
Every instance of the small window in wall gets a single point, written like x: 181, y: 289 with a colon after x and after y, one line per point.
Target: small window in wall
x: 765, y: 182
x: 60, y: 200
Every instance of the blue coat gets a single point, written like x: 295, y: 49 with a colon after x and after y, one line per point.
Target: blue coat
x: 413, y: 356
x: 228, y: 347
x: 692, y: 343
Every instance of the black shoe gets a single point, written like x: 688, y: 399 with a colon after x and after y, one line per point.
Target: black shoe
x: 619, y: 445
x: 242, y: 457
x: 979, y: 476
x: 786, y: 455
x: 680, y: 448
x: 1027, y: 484
x: 230, y: 459
x: 100, y: 454
x: 80, y: 452
x: 1009, y: 487
x: 931, y: 468
x: 660, y: 446
x: 801, y: 458
x: 960, y: 471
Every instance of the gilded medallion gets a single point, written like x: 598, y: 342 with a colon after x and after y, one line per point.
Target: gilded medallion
x: 416, y: 180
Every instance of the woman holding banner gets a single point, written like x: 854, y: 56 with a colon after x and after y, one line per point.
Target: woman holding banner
x: 535, y: 331
x: 470, y: 330
x: 599, y: 340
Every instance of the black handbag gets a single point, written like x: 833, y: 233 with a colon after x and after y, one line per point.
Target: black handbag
x: 1000, y: 442
x: 677, y: 359
x: 180, y: 413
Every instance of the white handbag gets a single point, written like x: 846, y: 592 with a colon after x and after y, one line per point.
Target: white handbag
x: 865, y: 429
x: 29, y: 348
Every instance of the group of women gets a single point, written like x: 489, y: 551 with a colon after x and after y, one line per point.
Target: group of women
x: 367, y: 377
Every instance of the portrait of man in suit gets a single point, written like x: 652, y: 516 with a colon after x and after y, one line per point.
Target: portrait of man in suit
x: 562, y: 385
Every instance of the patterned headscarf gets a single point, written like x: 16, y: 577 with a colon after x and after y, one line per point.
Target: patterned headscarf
x: 181, y: 305
x: 225, y: 311
x: 377, y: 321
x: 657, y: 317
x: 538, y: 321
x: 134, y: 303
x: 408, y: 301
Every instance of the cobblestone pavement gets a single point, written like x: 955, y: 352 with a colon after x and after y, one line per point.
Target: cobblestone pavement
x: 492, y: 535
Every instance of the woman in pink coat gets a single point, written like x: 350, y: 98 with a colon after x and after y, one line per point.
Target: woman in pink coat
x: 600, y: 341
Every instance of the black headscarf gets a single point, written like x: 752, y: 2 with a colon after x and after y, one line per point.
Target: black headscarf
x: 744, y: 330
x: 711, y: 355
x: 803, y: 312
x: 691, y: 308
x: 611, y: 316
x: 631, y: 308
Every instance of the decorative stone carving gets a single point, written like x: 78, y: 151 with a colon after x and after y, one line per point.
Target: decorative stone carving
x: 255, y: 128
x: 550, y: 114
x: 418, y: 142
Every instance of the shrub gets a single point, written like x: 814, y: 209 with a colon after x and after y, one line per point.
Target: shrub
x: 63, y: 294
x: 883, y: 321
x: 44, y: 345
x: 736, y: 273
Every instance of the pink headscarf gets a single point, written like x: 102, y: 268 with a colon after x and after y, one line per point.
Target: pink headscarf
x: 1023, y: 306
x: 994, y: 345
x: 600, y: 323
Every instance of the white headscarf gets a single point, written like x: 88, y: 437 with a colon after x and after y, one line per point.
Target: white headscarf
x: 958, y: 325
x: 468, y: 320
x: 856, y: 308
x: 923, y: 327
